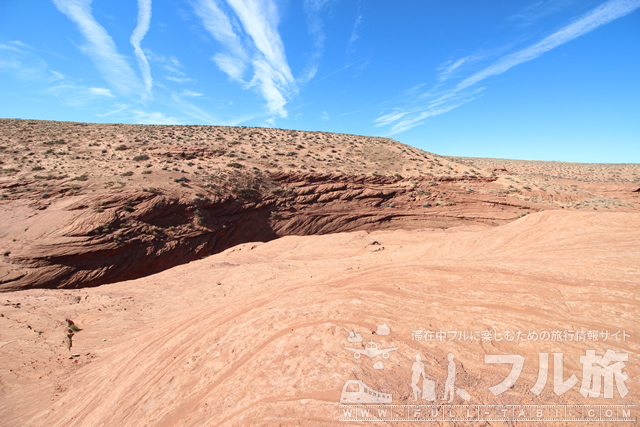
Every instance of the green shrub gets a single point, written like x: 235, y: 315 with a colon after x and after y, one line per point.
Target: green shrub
x: 246, y: 192
x: 277, y: 191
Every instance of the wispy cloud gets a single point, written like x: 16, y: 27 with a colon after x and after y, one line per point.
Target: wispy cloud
x: 354, y: 32
x: 183, y: 101
x: 536, y: 11
x: 153, y: 118
x: 144, y: 20
x: 441, y: 100
x: 23, y: 70
x: 191, y: 109
x: 324, y: 116
x: 101, y: 91
x: 9, y: 47
x: 21, y: 44
x: 19, y: 60
x: 339, y: 70
x: 449, y: 68
x: 417, y: 116
x: 251, y: 41
x: 312, y: 9
x: 100, y: 46
x: 389, y: 118
x: 219, y: 25
x: 178, y: 79
x: 79, y: 96
x: 119, y: 108
x: 56, y: 75
x: 601, y: 15
x: 174, y: 67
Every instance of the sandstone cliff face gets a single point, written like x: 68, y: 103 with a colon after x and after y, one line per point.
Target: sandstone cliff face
x: 84, y: 205
x: 136, y: 233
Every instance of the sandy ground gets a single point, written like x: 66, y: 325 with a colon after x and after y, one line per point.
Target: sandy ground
x: 256, y: 335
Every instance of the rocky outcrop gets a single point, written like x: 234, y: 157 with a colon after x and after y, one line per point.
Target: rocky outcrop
x: 136, y: 233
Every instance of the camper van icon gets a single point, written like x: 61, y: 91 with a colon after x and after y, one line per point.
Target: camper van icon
x: 371, y: 350
x: 356, y: 391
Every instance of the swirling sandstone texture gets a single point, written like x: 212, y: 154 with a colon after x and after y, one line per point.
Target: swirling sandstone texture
x: 256, y: 335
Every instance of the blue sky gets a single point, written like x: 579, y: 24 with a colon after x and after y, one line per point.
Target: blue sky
x: 529, y: 79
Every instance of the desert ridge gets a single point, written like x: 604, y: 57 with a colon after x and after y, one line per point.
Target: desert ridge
x: 87, y: 204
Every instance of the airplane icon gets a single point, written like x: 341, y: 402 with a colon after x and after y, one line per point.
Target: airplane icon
x: 371, y: 350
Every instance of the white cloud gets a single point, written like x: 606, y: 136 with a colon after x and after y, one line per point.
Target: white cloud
x: 79, y: 96
x: 144, y: 20
x: 21, y: 44
x: 458, y: 95
x: 16, y: 46
x: 7, y: 47
x: 324, y: 116
x: 251, y: 39
x: 449, y: 68
x: 172, y: 65
x: 233, y: 66
x: 153, y: 118
x: 347, y: 66
x: 100, y: 46
x: 389, y: 118
x: 178, y: 79
x: 312, y: 9
x: 601, y: 15
x: 56, y: 75
x: 534, y: 12
x: 266, y: 79
x: 100, y: 91
x: 190, y: 109
x: 22, y: 62
x: 24, y: 67
x: 191, y: 93
x: 419, y: 117
x: 220, y: 27
x: 354, y: 33
x: 119, y: 108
